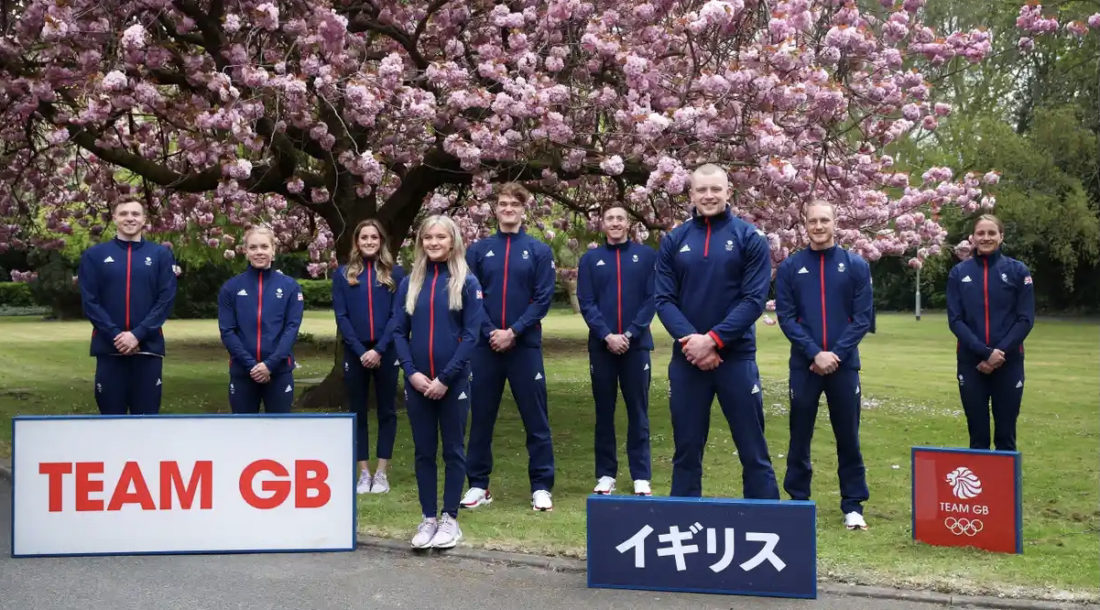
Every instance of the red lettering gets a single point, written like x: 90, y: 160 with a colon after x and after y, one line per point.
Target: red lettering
x: 131, y: 473
x: 55, y: 471
x: 279, y: 489
x: 310, y: 475
x: 86, y: 486
x: 201, y: 481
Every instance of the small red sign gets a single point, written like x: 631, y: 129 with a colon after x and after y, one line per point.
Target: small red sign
x: 966, y: 497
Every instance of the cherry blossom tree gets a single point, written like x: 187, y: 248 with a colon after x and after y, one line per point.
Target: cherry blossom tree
x: 314, y: 115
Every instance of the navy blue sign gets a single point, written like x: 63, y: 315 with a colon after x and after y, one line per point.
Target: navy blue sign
x: 703, y: 545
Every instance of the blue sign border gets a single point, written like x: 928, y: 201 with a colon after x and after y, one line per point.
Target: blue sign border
x: 1017, y: 459
x: 354, y: 496
x: 723, y: 501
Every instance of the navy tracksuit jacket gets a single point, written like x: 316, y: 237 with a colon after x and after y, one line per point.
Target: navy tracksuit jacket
x: 516, y: 271
x: 259, y: 312
x: 712, y: 278
x: 438, y: 342
x: 823, y: 302
x: 127, y: 286
x: 363, y: 316
x: 615, y: 290
x: 991, y: 305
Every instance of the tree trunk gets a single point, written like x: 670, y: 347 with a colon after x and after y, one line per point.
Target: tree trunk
x: 329, y: 393
x: 571, y: 290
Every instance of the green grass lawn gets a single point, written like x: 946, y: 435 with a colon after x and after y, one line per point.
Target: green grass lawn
x: 910, y: 398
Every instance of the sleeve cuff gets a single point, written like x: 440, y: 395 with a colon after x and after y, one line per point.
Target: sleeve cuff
x: 717, y: 340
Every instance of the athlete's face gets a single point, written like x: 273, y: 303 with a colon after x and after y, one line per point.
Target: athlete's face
x: 709, y: 193
x: 369, y: 241
x: 260, y: 250
x: 616, y: 225
x: 437, y: 243
x: 509, y: 212
x: 820, y: 226
x: 987, y: 237
x: 129, y: 220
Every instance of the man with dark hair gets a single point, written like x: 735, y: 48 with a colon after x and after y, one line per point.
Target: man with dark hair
x: 516, y: 272
x: 127, y: 286
x: 615, y: 290
x: 712, y: 281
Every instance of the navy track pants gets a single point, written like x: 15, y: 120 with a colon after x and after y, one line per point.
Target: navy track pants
x: 522, y: 368
x: 691, y: 392
x: 843, y: 394
x: 128, y: 384
x: 631, y: 372
x: 431, y: 420
x: 277, y: 395
x: 1003, y: 389
x: 357, y: 382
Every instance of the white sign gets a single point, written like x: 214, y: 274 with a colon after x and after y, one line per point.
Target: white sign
x: 182, y: 484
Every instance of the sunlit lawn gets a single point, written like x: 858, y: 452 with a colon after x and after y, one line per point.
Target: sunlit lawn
x: 910, y: 398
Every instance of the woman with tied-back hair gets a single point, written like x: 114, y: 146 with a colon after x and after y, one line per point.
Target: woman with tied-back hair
x: 362, y: 299
x: 991, y: 310
x: 438, y: 310
x: 259, y: 313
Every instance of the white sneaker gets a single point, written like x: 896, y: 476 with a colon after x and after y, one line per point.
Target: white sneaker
x: 475, y: 497
x: 448, y: 534
x: 363, y: 486
x: 641, y: 488
x: 540, y: 500
x: 604, y: 486
x: 854, y: 521
x: 424, y: 533
x: 380, y: 484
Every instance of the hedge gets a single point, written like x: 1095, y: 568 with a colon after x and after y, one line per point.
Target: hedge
x: 318, y: 293
x: 15, y: 294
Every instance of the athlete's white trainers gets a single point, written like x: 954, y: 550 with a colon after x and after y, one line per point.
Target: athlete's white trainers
x: 363, y: 486
x: 475, y: 497
x: 380, y: 484
x: 447, y: 535
x: 641, y: 488
x: 425, y: 532
x: 604, y: 486
x: 540, y: 500
x: 854, y: 521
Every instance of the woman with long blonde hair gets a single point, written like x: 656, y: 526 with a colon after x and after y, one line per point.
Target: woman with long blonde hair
x: 362, y: 299
x: 438, y: 313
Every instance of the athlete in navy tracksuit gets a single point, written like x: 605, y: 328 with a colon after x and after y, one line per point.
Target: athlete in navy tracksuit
x: 712, y: 280
x: 434, y: 344
x: 127, y: 286
x: 259, y: 312
x: 615, y: 291
x: 823, y: 302
x: 516, y: 271
x: 991, y: 310
x: 363, y: 318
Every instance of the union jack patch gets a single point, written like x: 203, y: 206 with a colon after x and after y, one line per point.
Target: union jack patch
x: 1027, y: 280
x: 479, y: 294
x: 300, y: 297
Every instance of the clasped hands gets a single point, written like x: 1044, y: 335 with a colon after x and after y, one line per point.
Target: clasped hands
x: 996, y: 359
x: 701, y: 351
x: 430, y: 388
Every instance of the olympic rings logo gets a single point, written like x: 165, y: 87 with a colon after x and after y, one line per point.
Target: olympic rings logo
x: 970, y: 527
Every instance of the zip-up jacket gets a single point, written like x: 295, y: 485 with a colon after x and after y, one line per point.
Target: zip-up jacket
x: 259, y: 312
x: 990, y: 305
x: 363, y: 310
x: 516, y: 273
x: 712, y: 278
x: 823, y: 302
x: 615, y: 290
x: 127, y: 286
x: 436, y: 340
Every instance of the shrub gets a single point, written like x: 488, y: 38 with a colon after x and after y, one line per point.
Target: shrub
x: 15, y: 294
